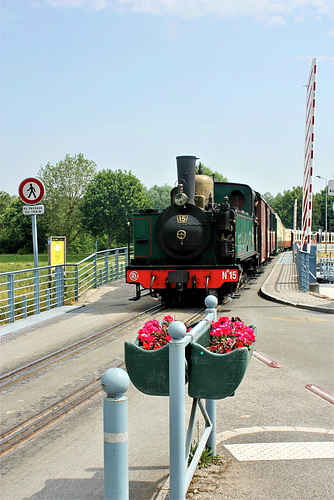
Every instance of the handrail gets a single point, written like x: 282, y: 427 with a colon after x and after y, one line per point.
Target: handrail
x: 33, y: 290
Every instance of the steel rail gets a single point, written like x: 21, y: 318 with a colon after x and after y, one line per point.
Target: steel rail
x: 36, y: 426
x: 22, y: 372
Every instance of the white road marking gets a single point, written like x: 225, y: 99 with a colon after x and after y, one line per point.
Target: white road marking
x: 281, y: 451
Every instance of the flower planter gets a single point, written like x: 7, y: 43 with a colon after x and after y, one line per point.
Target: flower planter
x: 215, y: 376
x: 148, y: 370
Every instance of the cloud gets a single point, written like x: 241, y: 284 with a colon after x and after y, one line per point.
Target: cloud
x: 274, y: 12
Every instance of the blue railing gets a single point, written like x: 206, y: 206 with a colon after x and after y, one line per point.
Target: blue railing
x: 31, y: 291
x: 306, y: 267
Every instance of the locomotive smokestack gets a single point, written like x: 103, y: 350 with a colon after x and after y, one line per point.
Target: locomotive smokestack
x: 186, y: 169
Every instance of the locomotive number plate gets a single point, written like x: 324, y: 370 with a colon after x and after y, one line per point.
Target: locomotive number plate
x: 230, y: 275
x: 182, y: 219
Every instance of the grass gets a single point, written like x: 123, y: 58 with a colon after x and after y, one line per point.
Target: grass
x: 15, y: 262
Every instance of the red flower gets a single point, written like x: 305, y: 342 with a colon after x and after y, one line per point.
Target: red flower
x: 154, y: 335
x: 229, y: 334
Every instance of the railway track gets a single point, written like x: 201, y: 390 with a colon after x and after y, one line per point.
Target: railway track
x: 26, y: 432
x: 22, y: 372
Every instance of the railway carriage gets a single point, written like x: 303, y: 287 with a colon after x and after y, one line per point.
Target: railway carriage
x: 205, y: 241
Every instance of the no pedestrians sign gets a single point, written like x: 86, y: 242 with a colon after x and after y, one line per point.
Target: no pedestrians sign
x: 31, y: 191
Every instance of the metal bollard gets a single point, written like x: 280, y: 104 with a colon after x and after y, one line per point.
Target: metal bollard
x: 177, y: 331
x: 115, y: 382
x: 210, y: 404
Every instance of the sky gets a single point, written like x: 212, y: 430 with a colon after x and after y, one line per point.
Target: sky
x: 131, y: 84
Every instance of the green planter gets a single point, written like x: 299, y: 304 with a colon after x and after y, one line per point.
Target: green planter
x: 148, y: 370
x: 215, y: 376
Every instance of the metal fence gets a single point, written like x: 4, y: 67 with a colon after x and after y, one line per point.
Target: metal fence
x: 306, y: 267
x: 31, y: 291
x: 326, y: 269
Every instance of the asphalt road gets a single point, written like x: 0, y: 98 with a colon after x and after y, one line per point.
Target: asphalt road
x: 274, y: 435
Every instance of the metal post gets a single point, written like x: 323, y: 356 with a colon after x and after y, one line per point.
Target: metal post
x: 77, y: 283
x: 177, y: 331
x: 11, y: 303
x: 115, y: 383
x: 127, y: 256
x: 47, y: 298
x: 111, y: 273
x: 116, y: 264
x: 58, y: 285
x: 210, y: 404
x: 95, y: 271
x: 36, y: 291
x: 24, y: 306
x: 106, y: 278
x: 326, y: 218
x: 34, y: 239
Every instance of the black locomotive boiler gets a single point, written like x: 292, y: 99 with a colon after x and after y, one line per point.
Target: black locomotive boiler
x: 203, y: 243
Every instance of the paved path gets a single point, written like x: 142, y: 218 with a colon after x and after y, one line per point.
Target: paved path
x: 282, y: 286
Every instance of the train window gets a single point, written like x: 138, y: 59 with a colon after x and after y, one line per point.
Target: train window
x: 237, y: 199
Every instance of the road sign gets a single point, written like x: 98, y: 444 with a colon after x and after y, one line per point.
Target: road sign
x: 31, y: 191
x: 33, y: 210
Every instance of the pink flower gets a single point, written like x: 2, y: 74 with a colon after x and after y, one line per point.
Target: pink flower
x: 154, y: 335
x: 229, y: 334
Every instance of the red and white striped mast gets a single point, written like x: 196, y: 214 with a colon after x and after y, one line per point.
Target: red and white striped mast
x: 308, y: 158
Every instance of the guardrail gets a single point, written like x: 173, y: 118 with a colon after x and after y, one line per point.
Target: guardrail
x: 31, y: 291
x: 306, y: 267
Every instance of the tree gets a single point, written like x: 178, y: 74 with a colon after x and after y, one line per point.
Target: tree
x: 159, y: 196
x: 109, y: 202
x: 5, y: 201
x: 319, y: 212
x: 17, y: 230
x: 284, y: 204
x: 217, y: 176
x: 65, y: 185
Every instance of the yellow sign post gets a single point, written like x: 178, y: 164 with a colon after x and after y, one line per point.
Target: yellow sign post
x: 57, y: 250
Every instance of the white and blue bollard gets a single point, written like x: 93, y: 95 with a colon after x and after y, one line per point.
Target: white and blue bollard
x: 210, y: 404
x: 177, y: 331
x: 115, y: 383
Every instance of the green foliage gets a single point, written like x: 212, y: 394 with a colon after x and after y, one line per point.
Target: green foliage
x: 319, y: 211
x: 159, y: 196
x: 283, y: 205
x: 5, y: 201
x: 65, y: 184
x: 16, y: 233
x: 206, y: 457
x: 109, y: 203
x: 217, y: 176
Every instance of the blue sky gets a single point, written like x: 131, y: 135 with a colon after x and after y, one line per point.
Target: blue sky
x: 132, y: 84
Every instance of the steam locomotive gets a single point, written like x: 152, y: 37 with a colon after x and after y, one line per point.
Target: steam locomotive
x: 211, y: 235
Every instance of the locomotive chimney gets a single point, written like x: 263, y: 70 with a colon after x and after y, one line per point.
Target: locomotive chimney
x: 186, y: 169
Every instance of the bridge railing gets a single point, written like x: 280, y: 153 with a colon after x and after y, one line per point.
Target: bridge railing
x: 31, y: 291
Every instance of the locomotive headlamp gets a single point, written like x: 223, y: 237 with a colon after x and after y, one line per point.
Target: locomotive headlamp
x: 180, y: 199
